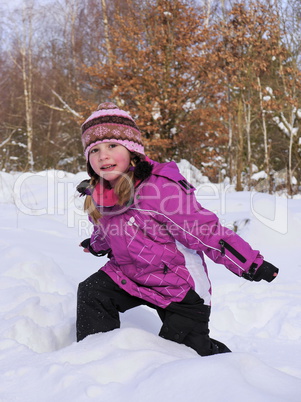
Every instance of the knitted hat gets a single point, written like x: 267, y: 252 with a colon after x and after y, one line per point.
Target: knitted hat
x: 110, y: 124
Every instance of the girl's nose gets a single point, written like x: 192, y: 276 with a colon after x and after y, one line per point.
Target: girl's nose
x: 102, y: 154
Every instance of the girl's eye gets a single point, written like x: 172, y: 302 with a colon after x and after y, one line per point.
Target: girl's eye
x: 93, y: 150
x: 112, y: 145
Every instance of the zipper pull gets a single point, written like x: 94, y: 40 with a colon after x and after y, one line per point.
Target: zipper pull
x: 222, y: 243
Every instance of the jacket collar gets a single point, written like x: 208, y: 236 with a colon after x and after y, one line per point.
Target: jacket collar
x: 104, y: 196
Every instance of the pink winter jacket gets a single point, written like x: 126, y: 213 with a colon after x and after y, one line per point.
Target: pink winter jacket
x: 143, y: 236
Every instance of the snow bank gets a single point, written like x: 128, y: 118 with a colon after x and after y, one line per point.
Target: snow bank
x: 191, y: 173
x: 42, y: 224
x: 37, y: 301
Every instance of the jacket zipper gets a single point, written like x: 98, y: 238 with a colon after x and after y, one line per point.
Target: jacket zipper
x: 232, y: 250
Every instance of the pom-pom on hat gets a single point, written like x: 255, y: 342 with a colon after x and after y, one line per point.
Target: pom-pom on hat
x: 111, y: 124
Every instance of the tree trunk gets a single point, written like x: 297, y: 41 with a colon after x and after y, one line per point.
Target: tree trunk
x: 208, y: 12
x: 230, y: 140
x: 106, y: 28
x: 26, y: 52
x: 239, y: 154
x: 247, y: 114
x: 265, y: 137
x: 290, y: 154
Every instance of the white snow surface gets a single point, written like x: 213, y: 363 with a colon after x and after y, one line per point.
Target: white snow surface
x: 41, y: 264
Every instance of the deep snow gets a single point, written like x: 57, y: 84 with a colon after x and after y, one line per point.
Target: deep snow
x: 42, y: 223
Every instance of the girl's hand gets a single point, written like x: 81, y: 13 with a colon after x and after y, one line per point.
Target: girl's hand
x: 88, y: 249
x: 85, y: 250
x: 267, y: 272
x: 86, y: 245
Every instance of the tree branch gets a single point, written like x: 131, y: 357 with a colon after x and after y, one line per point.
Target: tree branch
x: 66, y: 106
x: 3, y: 143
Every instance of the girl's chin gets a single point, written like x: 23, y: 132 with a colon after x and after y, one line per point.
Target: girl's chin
x: 110, y: 176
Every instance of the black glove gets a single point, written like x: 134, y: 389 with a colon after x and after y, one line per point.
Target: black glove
x: 85, y: 188
x: 266, y: 271
x: 86, y: 244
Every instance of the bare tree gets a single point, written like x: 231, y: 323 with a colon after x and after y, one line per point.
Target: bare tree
x: 106, y: 31
x: 26, y: 68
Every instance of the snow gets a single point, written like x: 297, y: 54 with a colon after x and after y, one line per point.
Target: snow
x: 189, y: 106
x: 192, y: 174
x: 156, y: 114
x: 270, y: 91
x: 42, y: 224
x: 259, y: 175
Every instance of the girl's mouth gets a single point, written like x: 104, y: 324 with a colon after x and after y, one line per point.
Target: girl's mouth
x: 107, y: 167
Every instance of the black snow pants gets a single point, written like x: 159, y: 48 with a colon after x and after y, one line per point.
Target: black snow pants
x: 100, y: 300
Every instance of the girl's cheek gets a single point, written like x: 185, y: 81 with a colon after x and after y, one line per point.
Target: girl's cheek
x: 92, y: 157
x: 93, y: 162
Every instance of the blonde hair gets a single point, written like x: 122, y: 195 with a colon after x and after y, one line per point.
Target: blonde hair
x: 123, y: 189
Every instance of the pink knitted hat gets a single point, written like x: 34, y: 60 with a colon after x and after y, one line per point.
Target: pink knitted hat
x: 110, y: 124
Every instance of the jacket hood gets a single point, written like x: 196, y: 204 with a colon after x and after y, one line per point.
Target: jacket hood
x: 167, y: 169
x: 170, y: 171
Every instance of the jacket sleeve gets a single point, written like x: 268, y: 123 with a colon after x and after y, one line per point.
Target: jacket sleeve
x: 98, y: 239
x: 199, y: 229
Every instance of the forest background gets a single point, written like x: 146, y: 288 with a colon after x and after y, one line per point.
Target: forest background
x: 215, y: 82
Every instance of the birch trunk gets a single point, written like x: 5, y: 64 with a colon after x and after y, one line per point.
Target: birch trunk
x: 106, y: 29
x: 265, y: 136
x: 208, y: 12
x: 230, y: 140
x: 290, y: 152
x: 105, y: 19
x: 26, y: 53
x: 247, y: 113
x: 239, y: 154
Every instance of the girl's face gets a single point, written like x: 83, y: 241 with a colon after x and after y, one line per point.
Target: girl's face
x: 109, y: 160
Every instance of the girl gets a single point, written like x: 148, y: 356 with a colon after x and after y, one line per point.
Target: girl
x: 140, y: 210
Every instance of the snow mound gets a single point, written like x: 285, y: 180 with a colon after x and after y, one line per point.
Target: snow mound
x: 36, y: 300
x: 191, y: 173
x: 42, y: 223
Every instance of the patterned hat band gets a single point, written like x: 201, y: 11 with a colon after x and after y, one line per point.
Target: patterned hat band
x: 110, y: 124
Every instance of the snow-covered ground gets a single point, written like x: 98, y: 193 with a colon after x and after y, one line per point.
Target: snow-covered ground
x: 42, y: 223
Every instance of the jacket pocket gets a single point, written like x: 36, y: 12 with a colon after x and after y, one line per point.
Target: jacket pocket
x: 232, y: 250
